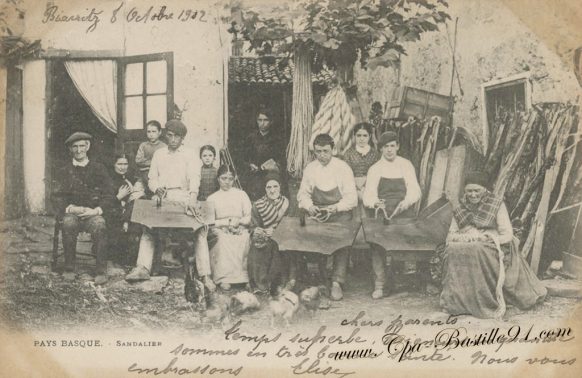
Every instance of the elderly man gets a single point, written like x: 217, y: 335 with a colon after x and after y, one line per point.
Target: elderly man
x: 328, y: 189
x: 84, y: 194
x: 174, y: 176
x: 392, y: 186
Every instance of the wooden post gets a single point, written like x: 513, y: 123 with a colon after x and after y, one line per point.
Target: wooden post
x: 540, y: 219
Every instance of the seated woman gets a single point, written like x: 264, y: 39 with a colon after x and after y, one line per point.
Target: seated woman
x: 122, y: 233
x: 482, y: 269
x: 265, y: 263
x: 229, y: 239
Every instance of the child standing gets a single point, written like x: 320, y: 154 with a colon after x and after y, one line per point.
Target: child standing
x: 208, y: 178
x: 146, y: 150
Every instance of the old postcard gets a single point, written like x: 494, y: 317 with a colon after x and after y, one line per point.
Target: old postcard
x: 259, y: 188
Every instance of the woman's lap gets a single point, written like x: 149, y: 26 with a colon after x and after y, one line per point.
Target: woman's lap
x: 228, y: 256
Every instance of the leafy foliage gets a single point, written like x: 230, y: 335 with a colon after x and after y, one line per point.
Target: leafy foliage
x: 340, y: 31
x: 7, y: 9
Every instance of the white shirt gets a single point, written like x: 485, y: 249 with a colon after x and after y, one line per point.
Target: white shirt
x: 82, y: 163
x: 336, y: 174
x: 179, y: 169
x: 399, y: 168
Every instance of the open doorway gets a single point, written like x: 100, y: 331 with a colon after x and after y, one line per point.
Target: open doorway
x: 68, y: 112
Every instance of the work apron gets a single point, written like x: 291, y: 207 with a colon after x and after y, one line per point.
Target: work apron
x: 393, y: 191
x: 322, y: 198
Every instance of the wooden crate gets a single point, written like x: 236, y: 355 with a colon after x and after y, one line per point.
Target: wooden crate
x: 412, y: 102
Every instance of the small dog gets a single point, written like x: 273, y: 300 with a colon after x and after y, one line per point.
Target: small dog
x: 284, y: 307
x: 243, y: 301
x: 310, y: 299
x: 219, y: 308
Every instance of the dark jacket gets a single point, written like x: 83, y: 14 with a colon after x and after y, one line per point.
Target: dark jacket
x: 122, y: 209
x: 88, y: 186
x: 259, y: 148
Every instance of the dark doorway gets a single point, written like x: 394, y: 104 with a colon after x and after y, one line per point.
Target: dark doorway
x: 244, y: 102
x: 68, y: 112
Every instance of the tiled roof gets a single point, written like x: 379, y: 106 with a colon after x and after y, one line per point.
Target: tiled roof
x: 267, y: 70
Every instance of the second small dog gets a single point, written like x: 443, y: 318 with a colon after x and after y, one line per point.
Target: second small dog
x: 284, y: 308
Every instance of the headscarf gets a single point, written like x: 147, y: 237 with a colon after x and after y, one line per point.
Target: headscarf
x: 271, y: 211
x: 483, y: 214
x: 477, y: 177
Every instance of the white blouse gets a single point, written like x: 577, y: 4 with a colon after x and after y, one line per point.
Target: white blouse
x: 231, y: 203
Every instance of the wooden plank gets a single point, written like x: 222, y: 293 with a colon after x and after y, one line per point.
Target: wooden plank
x: 169, y: 215
x: 81, y: 54
x: 457, y: 161
x: 422, y: 234
x: 437, y: 182
x: 324, y: 238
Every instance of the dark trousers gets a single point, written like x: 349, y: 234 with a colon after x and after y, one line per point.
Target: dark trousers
x: 123, y: 246
x: 94, y: 225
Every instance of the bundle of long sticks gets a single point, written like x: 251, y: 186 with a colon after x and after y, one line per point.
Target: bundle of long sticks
x: 529, y: 150
x: 302, y: 116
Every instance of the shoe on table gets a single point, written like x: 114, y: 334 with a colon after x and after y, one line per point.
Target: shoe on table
x: 139, y: 273
x: 377, y: 294
x: 69, y: 276
x: 336, y: 292
x: 101, y: 279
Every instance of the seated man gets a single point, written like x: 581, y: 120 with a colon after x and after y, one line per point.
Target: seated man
x: 328, y: 191
x: 391, y: 186
x: 174, y: 176
x: 84, y: 194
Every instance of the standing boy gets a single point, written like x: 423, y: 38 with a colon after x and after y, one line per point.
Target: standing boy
x: 146, y: 150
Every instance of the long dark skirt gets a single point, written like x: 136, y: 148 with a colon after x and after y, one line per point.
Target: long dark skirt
x: 123, y: 246
x: 265, y: 266
x: 470, y: 278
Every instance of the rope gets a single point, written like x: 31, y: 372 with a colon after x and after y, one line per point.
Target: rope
x: 498, y: 314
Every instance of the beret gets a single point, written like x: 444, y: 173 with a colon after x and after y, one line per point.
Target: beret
x: 387, y: 137
x: 177, y: 127
x: 477, y: 177
x: 79, y: 135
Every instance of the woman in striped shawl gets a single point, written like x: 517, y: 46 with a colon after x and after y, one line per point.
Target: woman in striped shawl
x: 265, y: 266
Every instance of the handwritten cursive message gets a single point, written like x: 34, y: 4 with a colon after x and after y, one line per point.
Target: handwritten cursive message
x: 93, y: 17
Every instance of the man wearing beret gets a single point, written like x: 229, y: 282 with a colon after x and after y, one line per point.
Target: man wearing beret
x: 174, y: 176
x: 391, y: 185
x: 84, y: 193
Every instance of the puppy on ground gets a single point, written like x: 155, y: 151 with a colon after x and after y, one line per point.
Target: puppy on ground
x: 311, y: 298
x: 243, y: 302
x: 284, y: 307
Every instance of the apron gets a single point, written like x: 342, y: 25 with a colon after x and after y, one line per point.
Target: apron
x: 322, y: 198
x: 393, y: 191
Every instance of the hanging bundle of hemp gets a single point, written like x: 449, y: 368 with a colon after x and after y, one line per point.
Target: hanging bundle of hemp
x: 302, y: 115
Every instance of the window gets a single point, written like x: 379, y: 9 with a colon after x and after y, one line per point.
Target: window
x: 500, y: 96
x: 145, y: 92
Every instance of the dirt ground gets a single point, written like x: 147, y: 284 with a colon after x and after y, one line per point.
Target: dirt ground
x: 34, y: 297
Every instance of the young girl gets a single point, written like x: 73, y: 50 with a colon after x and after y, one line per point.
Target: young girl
x: 208, y: 178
